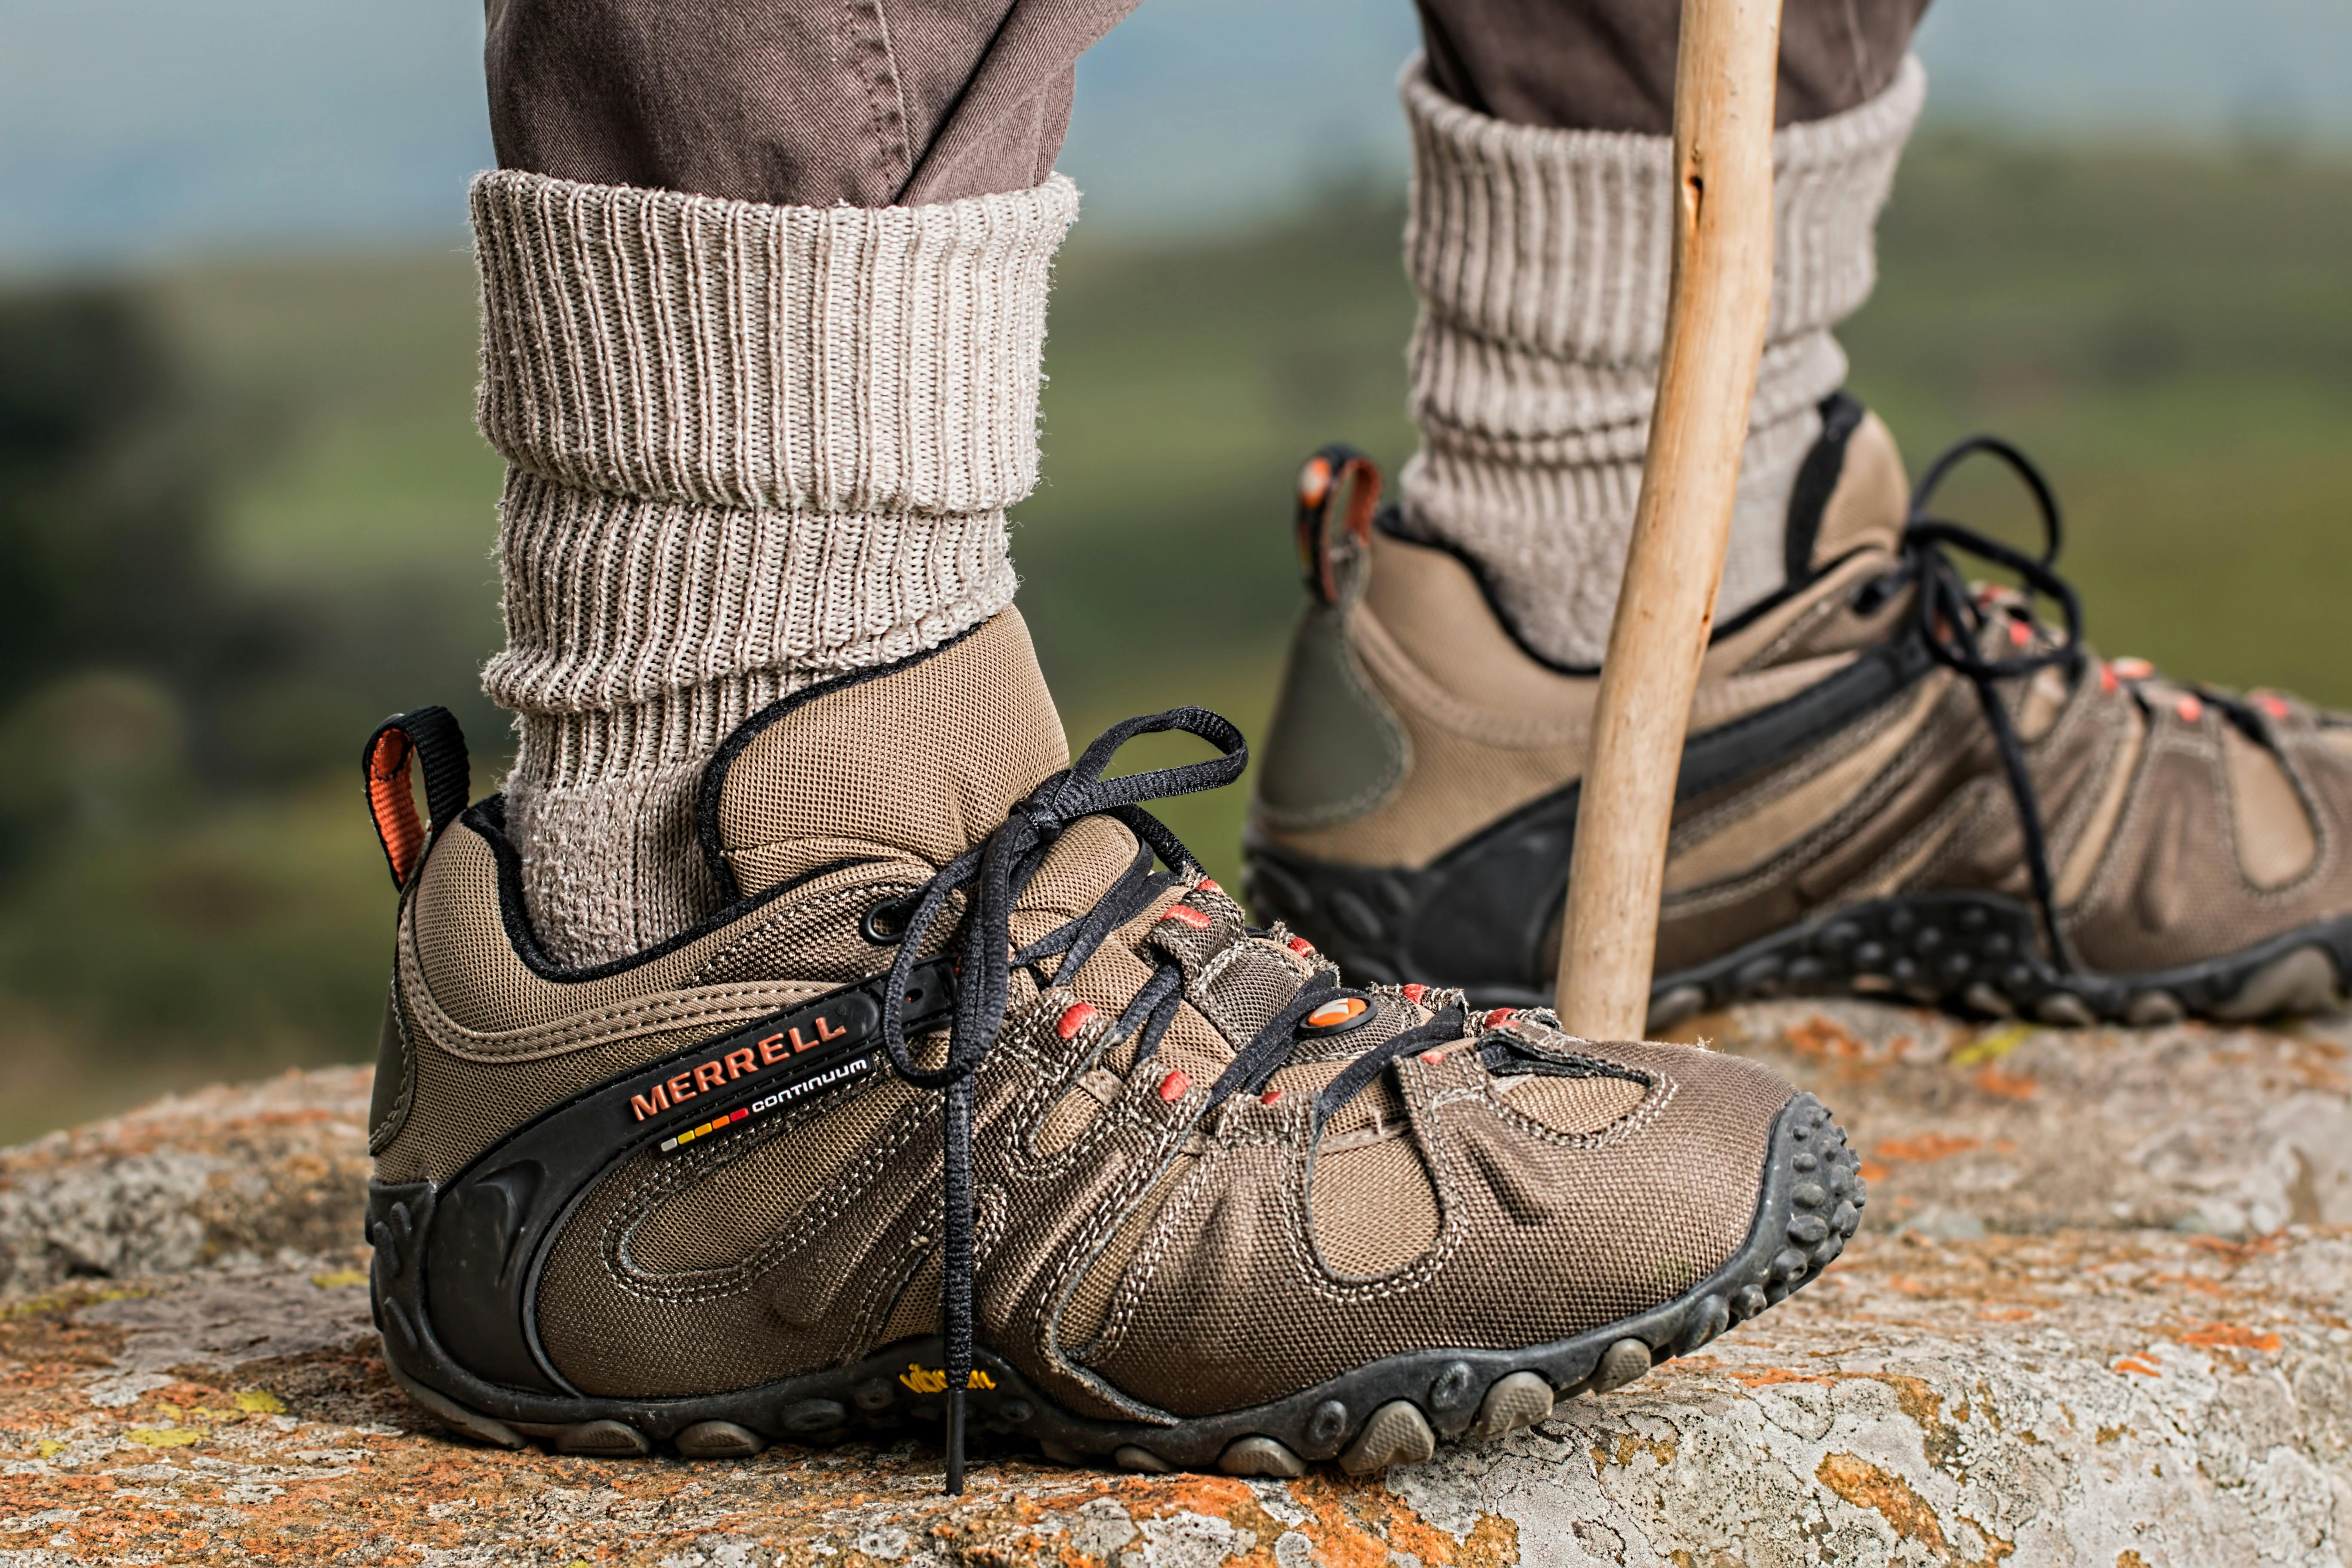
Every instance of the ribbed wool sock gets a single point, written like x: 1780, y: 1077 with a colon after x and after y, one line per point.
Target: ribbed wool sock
x: 750, y: 448
x: 1542, y: 257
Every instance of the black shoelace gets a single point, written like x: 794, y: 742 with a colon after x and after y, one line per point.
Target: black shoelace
x: 1954, y: 621
x: 991, y: 875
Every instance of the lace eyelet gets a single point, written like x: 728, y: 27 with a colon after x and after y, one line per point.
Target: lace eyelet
x: 1869, y: 598
x: 1337, y: 1016
x: 885, y: 923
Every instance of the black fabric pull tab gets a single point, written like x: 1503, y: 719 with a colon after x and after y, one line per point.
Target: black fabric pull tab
x: 433, y: 735
x: 1329, y: 473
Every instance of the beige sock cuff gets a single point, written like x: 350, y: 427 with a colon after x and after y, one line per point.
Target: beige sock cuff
x: 749, y: 447
x: 675, y: 347
x: 1542, y: 259
x: 1559, y: 242
x: 639, y: 633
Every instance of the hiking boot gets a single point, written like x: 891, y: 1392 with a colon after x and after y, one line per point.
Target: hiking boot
x: 1894, y: 784
x: 959, y: 1109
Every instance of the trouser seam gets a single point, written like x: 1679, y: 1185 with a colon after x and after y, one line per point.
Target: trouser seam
x: 885, y: 92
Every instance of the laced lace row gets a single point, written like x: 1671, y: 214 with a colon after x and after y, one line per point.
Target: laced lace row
x: 1955, y: 622
x: 991, y: 875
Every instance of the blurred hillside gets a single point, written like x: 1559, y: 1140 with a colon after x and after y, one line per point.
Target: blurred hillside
x: 243, y: 515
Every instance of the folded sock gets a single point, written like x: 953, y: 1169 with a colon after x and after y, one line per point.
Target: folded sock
x: 750, y: 448
x: 1542, y: 258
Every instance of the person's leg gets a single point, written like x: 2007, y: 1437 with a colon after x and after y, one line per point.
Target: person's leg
x: 756, y: 445
x: 1952, y: 801
x: 1540, y: 246
x: 789, y: 102
x: 1609, y: 64
x: 763, y: 302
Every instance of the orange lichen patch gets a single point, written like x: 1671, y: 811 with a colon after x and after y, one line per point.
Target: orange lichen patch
x: 2007, y: 1314
x: 2240, y: 1251
x: 1864, y: 1485
x: 2139, y: 1365
x: 1926, y: 1146
x: 2229, y: 1336
x: 1361, y: 1524
x: 1629, y: 1448
x: 1992, y: 1080
x: 1870, y: 1171
x: 1772, y: 1377
x: 1351, y: 1523
x: 1821, y: 1037
x: 2129, y: 1559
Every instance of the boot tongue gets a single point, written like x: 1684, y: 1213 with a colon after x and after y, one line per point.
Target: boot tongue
x: 1851, y: 493
x: 914, y: 764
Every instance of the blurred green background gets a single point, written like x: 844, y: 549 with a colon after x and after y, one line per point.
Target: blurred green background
x: 244, y: 514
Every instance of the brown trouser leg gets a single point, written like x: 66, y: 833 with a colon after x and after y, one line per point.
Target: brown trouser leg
x: 1609, y: 64
x: 873, y: 102
x: 800, y: 102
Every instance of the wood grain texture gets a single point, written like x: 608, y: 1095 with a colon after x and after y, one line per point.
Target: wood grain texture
x: 1716, y: 316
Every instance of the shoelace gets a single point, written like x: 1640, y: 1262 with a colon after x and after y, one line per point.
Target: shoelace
x: 995, y: 872
x: 1953, y: 622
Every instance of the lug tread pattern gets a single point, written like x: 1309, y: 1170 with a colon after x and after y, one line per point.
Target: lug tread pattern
x: 1393, y: 1412
x: 1977, y: 955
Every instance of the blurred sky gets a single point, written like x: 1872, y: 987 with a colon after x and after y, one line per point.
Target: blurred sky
x: 133, y: 129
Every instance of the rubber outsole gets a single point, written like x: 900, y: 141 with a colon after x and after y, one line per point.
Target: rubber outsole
x: 1980, y: 954
x: 1391, y: 1412
x: 1977, y: 955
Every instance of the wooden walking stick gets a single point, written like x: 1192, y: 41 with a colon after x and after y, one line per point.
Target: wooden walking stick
x: 1721, y: 294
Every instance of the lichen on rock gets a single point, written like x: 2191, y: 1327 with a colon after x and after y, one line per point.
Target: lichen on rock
x: 2135, y: 1350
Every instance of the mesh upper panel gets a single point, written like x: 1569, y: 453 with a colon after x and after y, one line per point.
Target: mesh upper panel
x: 922, y: 762
x: 1090, y: 1304
x: 1559, y: 1237
x: 814, y: 1295
x: 1250, y: 987
x: 1574, y: 1105
x: 716, y: 1214
x: 1375, y: 1210
x: 465, y: 1106
x: 916, y: 1311
x: 1071, y: 1115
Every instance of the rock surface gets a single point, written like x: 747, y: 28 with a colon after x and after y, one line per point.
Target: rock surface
x: 2100, y: 1314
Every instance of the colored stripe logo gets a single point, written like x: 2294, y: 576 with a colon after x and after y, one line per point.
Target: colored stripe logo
x: 743, y: 1114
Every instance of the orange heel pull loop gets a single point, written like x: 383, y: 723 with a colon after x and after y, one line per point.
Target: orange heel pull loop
x: 432, y: 736
x: 1331, y: 474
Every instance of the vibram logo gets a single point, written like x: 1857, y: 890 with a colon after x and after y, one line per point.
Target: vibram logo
x: 721, y: 1070
x: 934, y: 1380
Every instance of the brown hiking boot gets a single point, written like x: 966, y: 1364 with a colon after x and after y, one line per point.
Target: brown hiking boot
x: 961, y: 1094
x: 1894, y: 784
